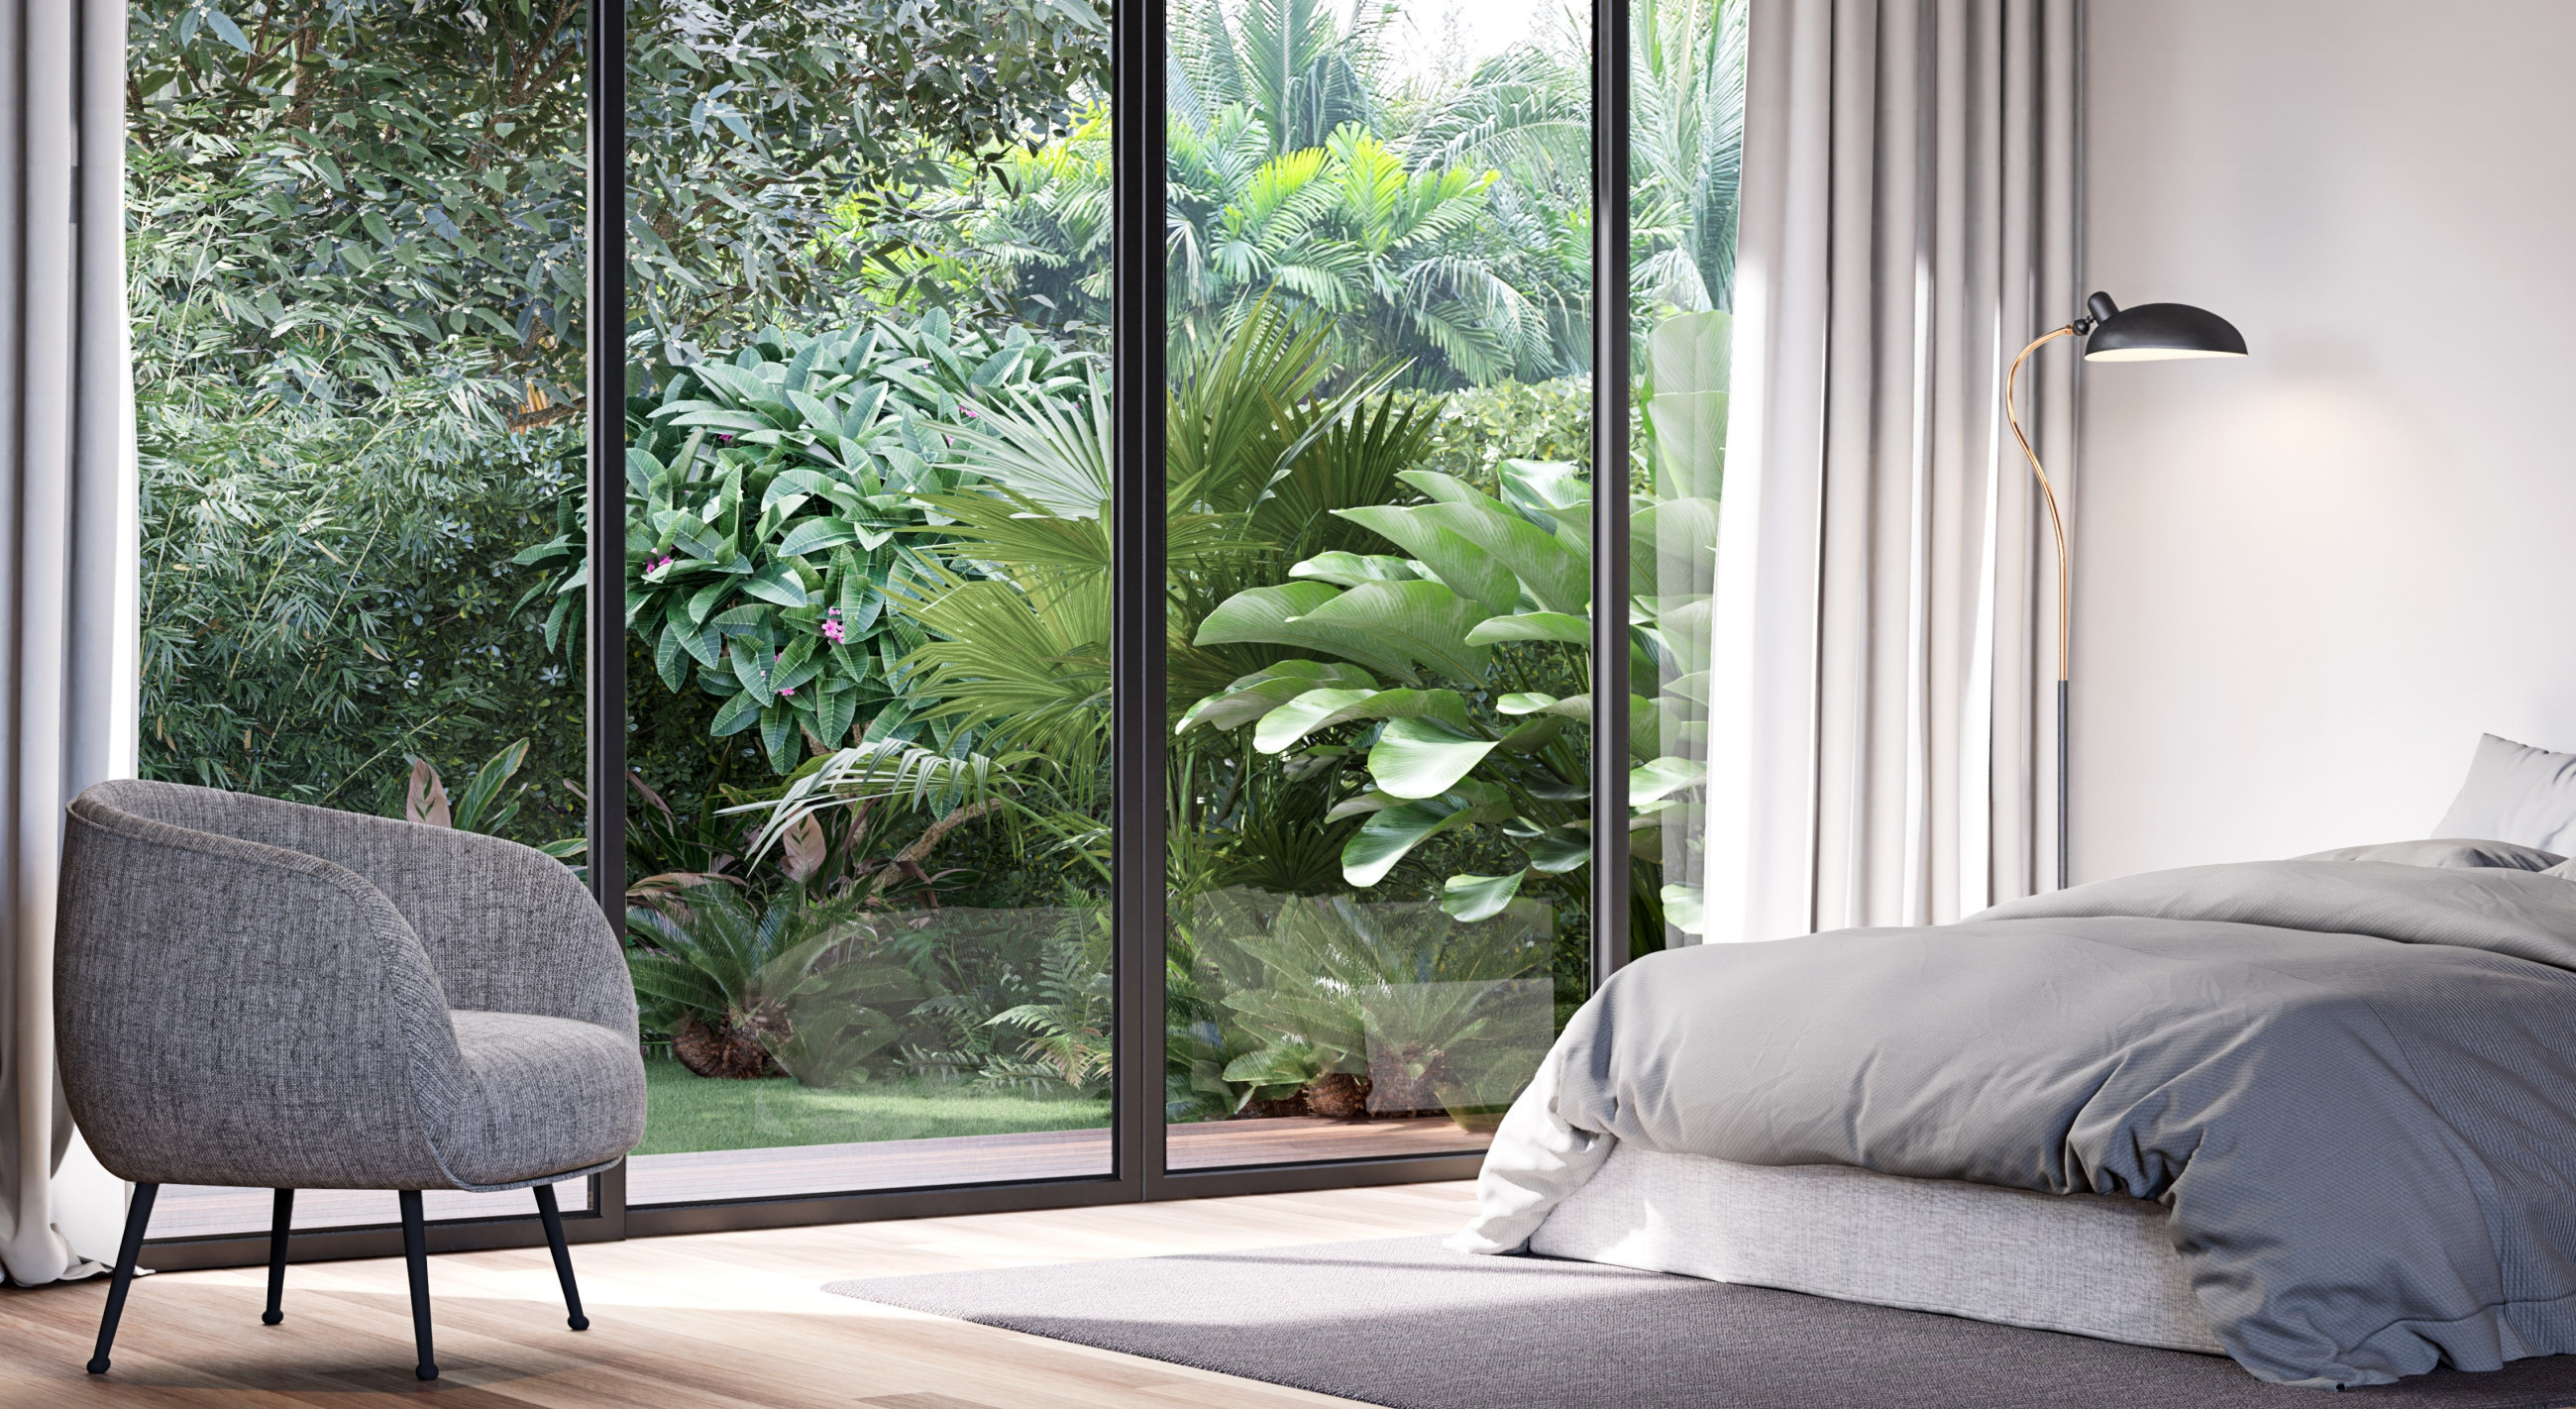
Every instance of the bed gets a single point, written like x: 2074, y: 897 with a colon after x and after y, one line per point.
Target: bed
x: 2312, y: 1114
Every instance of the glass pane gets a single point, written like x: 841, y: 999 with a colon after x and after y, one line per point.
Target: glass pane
x: 1380, y: 569
x: 868, y: 585
x: 1686, y: 149
x: 356, y: 265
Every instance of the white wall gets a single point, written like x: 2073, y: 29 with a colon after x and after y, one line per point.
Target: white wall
x: 2308, y: 581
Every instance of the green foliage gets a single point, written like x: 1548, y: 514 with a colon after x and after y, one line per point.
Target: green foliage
x: 750, y: 121
x: 768, y: 503
x: 1687, y: 78
x: 353, y: 267
x: 324, y: 598
x: 1478, y: 428
x: 802, y: 979
x: 707, y: 953
x: 488, y: 805
x: 332, y: 197
x: 354, y: 237
x: 1487, y: 583
x: 1270, y: 992
x: 1067, y: 1049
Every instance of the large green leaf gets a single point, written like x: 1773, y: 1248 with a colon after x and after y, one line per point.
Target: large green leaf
x: 1423, y: 758
x: 815, y: 536
x: 1386, y: 836
x: 1259, y: 693
x: 1532, y: 626
x: 777, y: 583
x: 1559, y: 849
x: 1352, y: 569
x: 1473, y: 898
x: 1687, y: 368
x: 1544, y: 485
x: 1559, y: 577
x: 1470, y: 570
x: 1662, y: 777
x: 1361, y: 805
x: 1294, y: 720
x: 1424, y: 621
x: 1686, y: 909
x: 1686, y: 632
x: 1276, y: 616
x: 1322, y: 709
x: 1672, y: 548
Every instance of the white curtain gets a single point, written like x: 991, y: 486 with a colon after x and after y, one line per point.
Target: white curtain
x: 1881, y: 742
x: 68, y: 632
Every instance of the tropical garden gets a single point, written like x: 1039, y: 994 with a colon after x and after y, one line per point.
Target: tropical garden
x: 868, y: 468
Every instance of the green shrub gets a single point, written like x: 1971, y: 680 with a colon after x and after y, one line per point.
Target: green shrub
x: 327, y: 598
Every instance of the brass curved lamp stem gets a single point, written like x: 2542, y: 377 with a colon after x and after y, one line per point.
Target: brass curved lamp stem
x: 2057, y: 526
x: 2056, y: 521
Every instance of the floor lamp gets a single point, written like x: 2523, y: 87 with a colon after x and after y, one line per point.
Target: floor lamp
x: 2150, y: 332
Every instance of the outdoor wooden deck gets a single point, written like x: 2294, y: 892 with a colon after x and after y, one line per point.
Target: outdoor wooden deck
x: 187, y: 1211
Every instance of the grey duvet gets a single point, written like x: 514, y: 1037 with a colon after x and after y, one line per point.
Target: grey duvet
x: 2353, y: 1083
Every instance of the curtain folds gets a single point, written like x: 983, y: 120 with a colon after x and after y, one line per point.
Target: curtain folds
x: 1882, y: 746
x: 68, y: 624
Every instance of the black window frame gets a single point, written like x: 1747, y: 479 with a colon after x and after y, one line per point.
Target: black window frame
x: 1139, y: 44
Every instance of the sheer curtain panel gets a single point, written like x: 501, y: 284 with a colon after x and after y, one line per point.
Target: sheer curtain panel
x: 67, y: 569
x: 1880, y: 748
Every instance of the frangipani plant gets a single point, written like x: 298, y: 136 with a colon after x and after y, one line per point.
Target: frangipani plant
x: 771, y: 500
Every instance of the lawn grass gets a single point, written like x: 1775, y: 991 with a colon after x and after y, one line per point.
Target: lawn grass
x: 693, y: 1113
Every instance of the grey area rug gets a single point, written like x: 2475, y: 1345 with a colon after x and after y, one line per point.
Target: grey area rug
x: 1404, y: 1322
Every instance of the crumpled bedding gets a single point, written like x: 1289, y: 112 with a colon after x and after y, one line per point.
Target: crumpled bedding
x: 2352, y: 1082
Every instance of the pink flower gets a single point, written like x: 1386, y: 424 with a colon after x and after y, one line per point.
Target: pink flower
x: 832, y: 632
x: 787, y: 690
x: 658, y: 564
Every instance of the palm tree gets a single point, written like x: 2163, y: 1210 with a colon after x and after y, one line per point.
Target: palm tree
x: 1688, y: 146
x: 1299, y: 73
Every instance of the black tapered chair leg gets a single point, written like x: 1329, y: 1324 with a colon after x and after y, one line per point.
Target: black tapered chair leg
x: 278, y: 1223
x: 552, y: 1217
x: 138, y: 1215
x: 416, y: 1261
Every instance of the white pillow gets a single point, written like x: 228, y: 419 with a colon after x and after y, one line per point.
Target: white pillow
x: 2448, y: 854
x: 2516, y: 793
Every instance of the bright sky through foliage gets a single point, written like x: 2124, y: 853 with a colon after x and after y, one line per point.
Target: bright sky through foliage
x: 1445, y: 37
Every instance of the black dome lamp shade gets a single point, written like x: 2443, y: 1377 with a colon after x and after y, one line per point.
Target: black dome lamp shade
x: 2155, y: 332
x: 2150, y: 332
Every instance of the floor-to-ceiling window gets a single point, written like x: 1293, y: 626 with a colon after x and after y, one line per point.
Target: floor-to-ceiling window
x: 867, y: 582
x: 1379, y: 472
x: 876, y: 609
x: 1686, y: 144
x: 358, y: 288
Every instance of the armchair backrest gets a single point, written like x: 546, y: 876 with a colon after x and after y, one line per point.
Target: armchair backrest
x: 506, y: 927
x: 226, y: 1007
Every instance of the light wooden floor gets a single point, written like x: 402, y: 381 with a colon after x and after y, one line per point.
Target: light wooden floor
x: 722, y: 1319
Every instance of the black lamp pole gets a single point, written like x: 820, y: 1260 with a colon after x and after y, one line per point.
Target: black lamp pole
x: 2150, y: 332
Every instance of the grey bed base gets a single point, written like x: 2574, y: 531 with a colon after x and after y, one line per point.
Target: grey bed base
x: 2083, y: 1263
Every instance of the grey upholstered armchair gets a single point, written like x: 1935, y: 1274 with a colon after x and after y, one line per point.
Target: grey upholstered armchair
x: 258, y: 993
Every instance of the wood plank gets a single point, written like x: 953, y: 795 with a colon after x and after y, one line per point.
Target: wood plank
x: 711, y: 1321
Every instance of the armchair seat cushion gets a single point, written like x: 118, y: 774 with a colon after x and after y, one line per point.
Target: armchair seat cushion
x: 545, y: 1096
